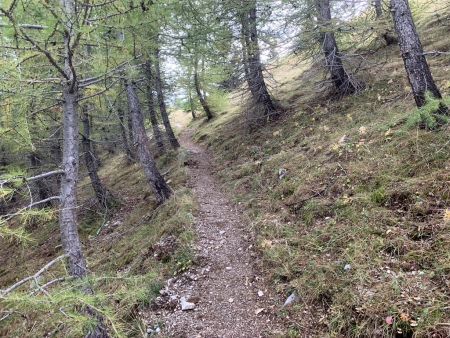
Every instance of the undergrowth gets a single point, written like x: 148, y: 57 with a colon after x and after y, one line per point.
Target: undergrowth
x: 120, y: 249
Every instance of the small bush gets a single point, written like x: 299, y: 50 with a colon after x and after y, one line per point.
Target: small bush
x: 431, y: 116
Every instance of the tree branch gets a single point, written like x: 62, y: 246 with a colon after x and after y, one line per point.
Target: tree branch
x: 47, y: 266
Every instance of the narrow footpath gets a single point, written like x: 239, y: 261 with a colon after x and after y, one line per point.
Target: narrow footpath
x: 226, y: 294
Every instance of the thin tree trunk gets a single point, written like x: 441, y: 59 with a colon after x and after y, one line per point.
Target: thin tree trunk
x: 417, y: 69
x: 388, y: 36
x: 342, y: 81
x: 41, y: 186
x: 162, y: 105
x: 378, y: 8
x: 94, y: 145
x: 244, y: 43
x: 255, y: 77
x: 191, y: 103
x: 151, y: 107
x: 201, y: 98
x: 68, y: 212
x: 155, y: 179
x: 130, y: 134
x: 123, y: 131
x: 104, y: 197
x: 68, y: 196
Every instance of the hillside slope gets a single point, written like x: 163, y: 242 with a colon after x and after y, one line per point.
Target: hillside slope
x: 349, y: 198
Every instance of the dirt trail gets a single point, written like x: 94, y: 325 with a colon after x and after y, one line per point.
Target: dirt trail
x: 230, y: 296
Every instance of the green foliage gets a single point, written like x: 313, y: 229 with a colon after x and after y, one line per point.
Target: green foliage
x: 42, y: 216
x: 379, y: 196
x: 429, y: 116
x: 218, y: 100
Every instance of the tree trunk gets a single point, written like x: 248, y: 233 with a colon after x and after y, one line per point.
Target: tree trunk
x: 130, y: 134
x: 378, y: 8
x: 68, y: 212
x: 255, y: 77
x: 201, y: 98
x: 191, y: 103
x: 41, y: 187
x: 388, y: 36
x: 343, y: 82
x: 155, y: 179
x: 162, y: 105
x: 104, y: 197
x: 417, y: 69
x: 151, y: 107
x: 123, y: 131
x: 68, y: 196
x: 94, y: 145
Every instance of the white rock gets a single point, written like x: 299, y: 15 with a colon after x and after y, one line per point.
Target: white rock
x: 185, y: 305
x: 231, y: 300
x: 347, y: 267
x: 228, y: 268
x: 293, y: 298
x: 260, y: 293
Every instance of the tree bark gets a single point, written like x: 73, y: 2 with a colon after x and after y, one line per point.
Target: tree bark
x: 201, y: 98
x: 417, y: 69
x: 343, y: 82
x: 191, y: 103
x: 155, y: 179
x: 378, y: 8
x: 68, y: 214
x: 104, y: 197
x: 255, y: 77
x: 123, y: 131
x: 162, y: 105
x: 151, y: 107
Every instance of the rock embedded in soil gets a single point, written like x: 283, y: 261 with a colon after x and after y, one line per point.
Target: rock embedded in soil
x: 293, y: 298
x: 185, y: 305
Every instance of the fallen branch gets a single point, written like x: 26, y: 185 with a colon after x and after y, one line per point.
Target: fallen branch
x: 47, y: 266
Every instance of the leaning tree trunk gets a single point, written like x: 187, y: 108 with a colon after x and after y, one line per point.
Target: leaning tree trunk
x: 155, y: 179
x: 123, y: 131
x: 201, y: 98
x: 151, y: 107
x: 419, y: 74
x: 255, y: 77
x: 162, y: 105
x: 104, y: 197
x: 343, y: 82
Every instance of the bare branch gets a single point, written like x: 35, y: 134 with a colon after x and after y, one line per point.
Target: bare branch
x: 47, y: 266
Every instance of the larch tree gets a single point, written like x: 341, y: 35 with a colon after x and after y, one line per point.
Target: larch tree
x: 159, y: 85
x: 150, y: 84
x: 416, y: 65
x: 252, y: 62
x: 343, y: 81
x: 155, y: 179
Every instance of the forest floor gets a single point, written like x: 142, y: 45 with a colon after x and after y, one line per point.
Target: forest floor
x: 226, y: 289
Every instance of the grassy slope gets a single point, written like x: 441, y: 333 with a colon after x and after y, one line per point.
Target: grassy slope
x: 126, y: 274
x: 361, y: 190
